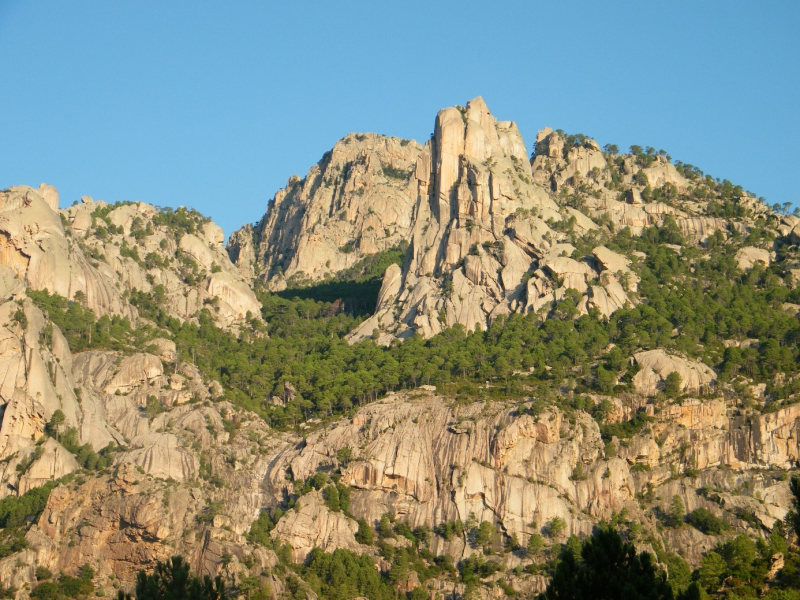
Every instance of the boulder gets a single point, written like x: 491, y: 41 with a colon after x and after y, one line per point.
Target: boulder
x: 134, y: 371
x: 656, y: 365
x: 748, y: 256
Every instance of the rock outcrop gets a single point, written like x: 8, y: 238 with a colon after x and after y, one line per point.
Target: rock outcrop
x: 313, y: 525
x: 656, y: 365
x: 34, y: 243
x: 748, y: 256
x: 490, y: 231
x: 427, y: 462
x: 358, y: 200
x: 484, y: 241
x: 98, y: 254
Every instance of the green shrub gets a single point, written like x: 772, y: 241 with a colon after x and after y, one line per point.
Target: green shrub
x: 704, y: 520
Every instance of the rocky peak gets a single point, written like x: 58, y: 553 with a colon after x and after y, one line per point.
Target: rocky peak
x: 356, y: 201
x: 100, y: 254
x: 481, y: 223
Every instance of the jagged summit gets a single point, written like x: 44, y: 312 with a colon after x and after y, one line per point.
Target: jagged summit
x: 482, y: 243
x: 356, y: 201
x: 490, y: 230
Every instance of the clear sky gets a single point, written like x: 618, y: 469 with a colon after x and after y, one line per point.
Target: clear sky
x: 215, y: 104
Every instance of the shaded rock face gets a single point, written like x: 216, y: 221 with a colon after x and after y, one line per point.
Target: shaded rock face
x: 358, y: 200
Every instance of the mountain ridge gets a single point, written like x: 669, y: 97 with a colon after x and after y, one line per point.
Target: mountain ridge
x: 625, y: 352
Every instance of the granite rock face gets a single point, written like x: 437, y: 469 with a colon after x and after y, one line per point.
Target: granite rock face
x: 98, y: 253
x: 428, y: 462
x: 358, y: 200
x: 155, y: 421
x: 491, y: 232
x: 484, y: 241
x: 36, y: 246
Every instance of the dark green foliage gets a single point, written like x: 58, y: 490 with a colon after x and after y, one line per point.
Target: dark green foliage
x: 66, y: 586
x: 261, y: 527
x: 183, y: 220
x: 364, y: 534
x: 82, y: 330
x: 12, y: 541
x: 17, y: 513
x: 20, y: 318
x: 343, y: 574
x: 15, y: 510
x: 607, y: 568
x: 354, y: 290
x: 173, y: 580
x: 131, y: 252
x: 693, y: 592
x: 794, y: 515
x: 331, y: 496
x: 84, y: 453
x: 676, y: 513
x: 449, y: 529
x: 384, y: 527
x: 626, y: 429
x: 704, y: 520
x: 344, y: 455
x: 672, y: 384
x: 53, y: 427
x: 680, y: 575
x: 707, y: 300
x: 396, y: 173
x: 476, y: 567
x: 739, y: 566
x: 337, y: 497
x: 484, y: 536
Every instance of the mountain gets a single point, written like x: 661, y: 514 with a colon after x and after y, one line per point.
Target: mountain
x: 357, y: 201
x: 490, y: 233
x: 541, y: 346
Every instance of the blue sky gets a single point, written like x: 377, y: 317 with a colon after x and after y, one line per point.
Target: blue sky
x: 215, y: 104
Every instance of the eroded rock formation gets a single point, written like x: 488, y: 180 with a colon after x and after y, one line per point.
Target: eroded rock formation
x: 358, y: 200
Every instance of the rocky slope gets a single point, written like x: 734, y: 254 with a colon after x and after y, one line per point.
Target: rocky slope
x: 496, y: 234
x: 161, y: 435
x: 100, y: 253
x: 490, y: 231
x: 417, y: 456
x: 145, y: 452
x: 358, y: 200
